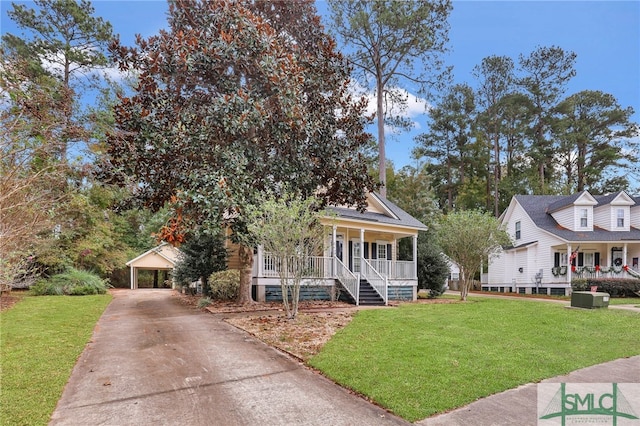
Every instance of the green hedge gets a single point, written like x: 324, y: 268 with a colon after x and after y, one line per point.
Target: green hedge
x: 616, y: 287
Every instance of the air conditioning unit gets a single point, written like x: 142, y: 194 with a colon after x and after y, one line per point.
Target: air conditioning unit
x: 589, y: 300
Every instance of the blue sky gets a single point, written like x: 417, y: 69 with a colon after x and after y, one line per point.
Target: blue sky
x: 605, y: 35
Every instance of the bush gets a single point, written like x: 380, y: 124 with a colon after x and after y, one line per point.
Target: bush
x: 225, y: 285
x: 433, y: 269
x: 616, y: 287
x: 72, y: 282
x: 204, y: 302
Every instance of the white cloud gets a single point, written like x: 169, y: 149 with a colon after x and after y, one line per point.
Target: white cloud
x: 414, y: 106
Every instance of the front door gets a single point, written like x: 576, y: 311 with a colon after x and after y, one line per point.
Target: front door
x: 339, y: 247
x: 616, y: 257
x: 356, y: 254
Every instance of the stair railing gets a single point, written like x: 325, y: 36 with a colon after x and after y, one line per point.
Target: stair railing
x: 377, y: 281
x: 349, y: 280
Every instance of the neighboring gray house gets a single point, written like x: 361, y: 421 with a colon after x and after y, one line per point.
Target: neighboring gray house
x: 557, y: 238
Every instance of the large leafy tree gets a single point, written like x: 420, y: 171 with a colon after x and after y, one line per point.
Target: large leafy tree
x: 448, y: 147
x: 496, y: 80
x: 29, y: 117
x: 595, y: 135
x: 546, y: 72
x: 468, y: 238
x: 63, y: 39
x: 393, y: 42
x: 236, y: 99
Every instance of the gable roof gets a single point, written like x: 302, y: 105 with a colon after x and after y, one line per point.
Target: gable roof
x: 164, y: 250
x: 538, y: 207
x: 394, y: 214
x: 620, y: 198
x: 566, y: 201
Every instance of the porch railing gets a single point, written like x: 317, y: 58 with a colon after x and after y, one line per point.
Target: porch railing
x: 394, y: 269
x: 311, y: 267
x: 349, y: 280
x: 595, y: 272
x: 377, y: 281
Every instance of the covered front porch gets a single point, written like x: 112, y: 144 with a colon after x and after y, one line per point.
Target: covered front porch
x: 595, y: 260
x: 358, y: 264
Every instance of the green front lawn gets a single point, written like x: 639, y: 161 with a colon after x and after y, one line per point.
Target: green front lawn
x: 421, y: 359
x: 41, y: 339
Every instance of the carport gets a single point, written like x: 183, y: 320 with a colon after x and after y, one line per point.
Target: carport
x: 161, y: 258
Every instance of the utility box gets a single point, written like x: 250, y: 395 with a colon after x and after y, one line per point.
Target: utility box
x: 589, y: 299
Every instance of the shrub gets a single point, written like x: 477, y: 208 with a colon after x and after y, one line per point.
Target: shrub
x: 433, y: 269
x: 203, y: 302
x: 225, y: 285
x: 616, y: 287
x: 71, y: 282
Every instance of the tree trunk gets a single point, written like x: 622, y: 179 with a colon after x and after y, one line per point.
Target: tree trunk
x: 246, y: 271
x: 464, y: 289
x: 382, y: 165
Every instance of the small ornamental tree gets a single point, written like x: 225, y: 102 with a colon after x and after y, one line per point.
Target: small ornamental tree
x: 288, y: 229
x: 468, y: 237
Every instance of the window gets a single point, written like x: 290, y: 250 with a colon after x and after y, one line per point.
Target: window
x: 620, y: 218
x: 588, y: 259
x: 584, y: 216
x: 382, y: 250
x: 518, y: 228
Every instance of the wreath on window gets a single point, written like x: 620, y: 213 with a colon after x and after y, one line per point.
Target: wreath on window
x: 618, y: 262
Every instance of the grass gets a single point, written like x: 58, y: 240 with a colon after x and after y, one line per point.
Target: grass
x: 41, y: 339
x: 419, y: 360
x: 624, y: 301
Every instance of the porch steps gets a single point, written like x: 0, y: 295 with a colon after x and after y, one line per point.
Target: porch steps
x: 368, y: 295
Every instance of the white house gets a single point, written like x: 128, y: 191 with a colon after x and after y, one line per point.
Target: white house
x: 557, y: 238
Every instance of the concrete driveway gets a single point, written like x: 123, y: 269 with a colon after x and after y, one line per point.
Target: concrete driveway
x: 154, y: 361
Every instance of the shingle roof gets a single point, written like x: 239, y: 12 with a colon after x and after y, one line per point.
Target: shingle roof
x: 403, y: 218
x: 538, y: 208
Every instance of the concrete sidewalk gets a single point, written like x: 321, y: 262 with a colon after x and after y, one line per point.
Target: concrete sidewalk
x: 519, y: 406
x: 154, y: 361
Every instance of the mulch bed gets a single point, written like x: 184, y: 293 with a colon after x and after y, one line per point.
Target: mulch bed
x: 7, y: 301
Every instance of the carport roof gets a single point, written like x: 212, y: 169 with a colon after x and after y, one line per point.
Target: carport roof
x: 165, y: 252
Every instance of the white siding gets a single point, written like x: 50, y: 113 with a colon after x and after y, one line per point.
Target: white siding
x: 602, y: 217
x: 635, y: 216
x: 527, y: 227
x: 497, y: 264
x: 565, y: 217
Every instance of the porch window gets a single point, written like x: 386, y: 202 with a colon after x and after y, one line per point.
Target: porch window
x: 518, y: 226
x: 589, y: 259
x: 382, y: 250
x: 560, y: 259
x: 584, y: 218
x: 620, y: 222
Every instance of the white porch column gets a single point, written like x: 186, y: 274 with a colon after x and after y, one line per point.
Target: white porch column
x: 569, y: 263
x: 131, y: 278
x: 260, y: 260
x: 624, y: 255
x: 334, y: 255
x: 415, y: 256
x: 362, y: 245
